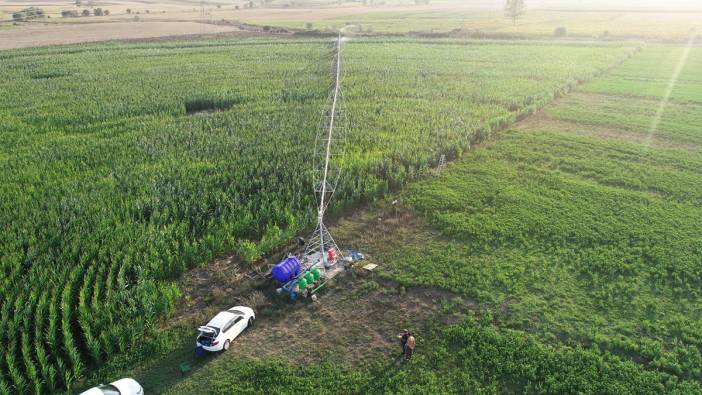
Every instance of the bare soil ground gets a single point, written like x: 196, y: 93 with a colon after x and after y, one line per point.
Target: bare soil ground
x: 164, y: 18
x: 358, y: 310
x: 354, y: 321
x: 39, y: 35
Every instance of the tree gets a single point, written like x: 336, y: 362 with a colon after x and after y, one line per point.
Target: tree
x: 129, y: 10
x: 106, y: 12
x: 28, y: 13
x: 560, y: 31
x: 514, y: 9
x: 98, y: 12
x: 86, y: 12
x: 33, y: 12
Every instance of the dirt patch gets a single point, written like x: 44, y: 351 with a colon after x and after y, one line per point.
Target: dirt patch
x: 363, y: 228
x: 353, y: 322
x: 355, y: 319
x: 358, y: 311
x: 54, y: 34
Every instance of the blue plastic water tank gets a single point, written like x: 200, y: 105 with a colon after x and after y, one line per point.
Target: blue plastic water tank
x: 286, y: 270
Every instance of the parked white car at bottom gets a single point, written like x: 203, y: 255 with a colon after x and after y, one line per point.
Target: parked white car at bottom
x: 120, y: 387
x: 218, y: 334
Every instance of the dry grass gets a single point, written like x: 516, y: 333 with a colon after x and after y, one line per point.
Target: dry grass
x: 255, y: 300
x: 354, y: 320
x: 55, y: 34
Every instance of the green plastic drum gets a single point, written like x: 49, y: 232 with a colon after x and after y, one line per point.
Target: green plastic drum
x: 302, y: 283
x: 309, y: 277
x: 316, y: 274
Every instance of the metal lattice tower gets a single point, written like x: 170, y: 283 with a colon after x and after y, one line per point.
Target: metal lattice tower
x: 329, y: 148
x: 442, y: 162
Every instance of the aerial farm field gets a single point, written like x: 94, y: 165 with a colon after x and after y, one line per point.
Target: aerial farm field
x: 558, y: 256
x: 129, y: 19
x: 124, y: 165
x: 539, y: 23
x: 579, y: 226
x: 530, y: 191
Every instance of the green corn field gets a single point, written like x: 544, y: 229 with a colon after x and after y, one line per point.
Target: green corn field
x: 124, y: 164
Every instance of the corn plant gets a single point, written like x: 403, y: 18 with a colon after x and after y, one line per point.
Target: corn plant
x: 130, y: 189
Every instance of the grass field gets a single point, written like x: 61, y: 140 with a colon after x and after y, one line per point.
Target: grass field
x: 125, y: 164
x: 560, y: 256
x: 580, y: 225
x: 558, y: 252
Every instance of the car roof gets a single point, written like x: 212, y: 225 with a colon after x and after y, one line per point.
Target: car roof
x: 241, y: 309
x: 221, y: 319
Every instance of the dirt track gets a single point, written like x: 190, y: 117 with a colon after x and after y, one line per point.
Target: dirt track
x: 39, y: 35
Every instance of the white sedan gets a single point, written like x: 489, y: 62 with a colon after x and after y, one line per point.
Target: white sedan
x: 218, y: 334
x: 120, y: 387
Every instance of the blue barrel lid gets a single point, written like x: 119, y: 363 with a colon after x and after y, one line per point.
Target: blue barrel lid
x: 286, y: 270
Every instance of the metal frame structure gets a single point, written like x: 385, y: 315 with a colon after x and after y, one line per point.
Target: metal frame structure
x: 330, y: 144
x: 442, y: 163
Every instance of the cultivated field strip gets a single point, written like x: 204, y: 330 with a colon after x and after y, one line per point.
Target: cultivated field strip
x: 122, y: 165
x: 651, y: 76
x: 630, y: 118
x: 581, y: 225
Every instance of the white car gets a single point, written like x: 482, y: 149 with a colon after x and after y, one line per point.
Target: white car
x: 218, y: 334
x: 120, y: 387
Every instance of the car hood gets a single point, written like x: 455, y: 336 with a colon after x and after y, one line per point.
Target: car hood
x: 128, y: 386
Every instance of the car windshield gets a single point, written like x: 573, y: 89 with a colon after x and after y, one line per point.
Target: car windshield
x: 109, y: 389
x: 235, y: 311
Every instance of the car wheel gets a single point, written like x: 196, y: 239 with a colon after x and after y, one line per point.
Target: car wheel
x: 226, y: 345
x: 251, y: 322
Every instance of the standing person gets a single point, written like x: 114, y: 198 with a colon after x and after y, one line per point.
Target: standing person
x: 409, y: 347
x: 404, y: 335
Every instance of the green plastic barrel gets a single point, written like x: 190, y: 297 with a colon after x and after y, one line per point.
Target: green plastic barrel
x: 316, y: 274
x: 309, y: 277
x: 302, y: 283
